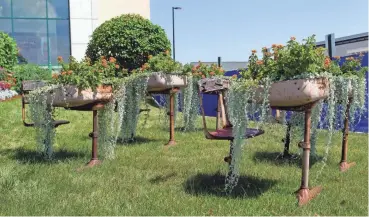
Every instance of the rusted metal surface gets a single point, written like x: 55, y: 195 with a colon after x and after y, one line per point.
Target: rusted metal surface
x: 94, y: 135
x: 344, y: 165
x: 218, y: 114
x: 171, y: 119
x: 306, y: 150
x: 208, y: 85
x: 226, y: 132
x: 32, y: 85
x: 171, y: 93
x: 300, y: 108
x: 287, y: 141
x: 304, y: 194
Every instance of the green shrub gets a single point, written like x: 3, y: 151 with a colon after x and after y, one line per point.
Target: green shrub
x: 8, y: 51
x: 26, y: 72
x: 130, y: 39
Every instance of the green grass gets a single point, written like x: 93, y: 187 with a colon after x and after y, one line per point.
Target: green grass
x: 187, y: 179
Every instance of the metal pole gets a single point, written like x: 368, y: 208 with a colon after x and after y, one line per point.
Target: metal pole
x: 343, y: 164
x: 306, y: 151
x: 174, y: 40
x: 171, y: 117
x: 286, y: 151
x: 94, y: 136
x: 304, y: 194
x: 219, y: 61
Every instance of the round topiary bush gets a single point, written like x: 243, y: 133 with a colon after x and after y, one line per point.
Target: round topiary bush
x: 8, y: 51
x: 130, y: 39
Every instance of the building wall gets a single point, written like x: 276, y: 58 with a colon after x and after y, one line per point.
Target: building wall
x: 349, y: 49
x: 112, y: 8
x: 87, y: 15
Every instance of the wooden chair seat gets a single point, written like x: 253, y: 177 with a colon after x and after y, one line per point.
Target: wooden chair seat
x: 227, y: 134
x: 26, y: 87
x: 56, y: 123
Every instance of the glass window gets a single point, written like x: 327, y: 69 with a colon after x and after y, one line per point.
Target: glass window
x: 5, y: 8
x: 31, y: 37
x: 40, y: 40
x: 59, y: 40
x: 6, y: 25
x: 29, y: 8
x: 58, y: 9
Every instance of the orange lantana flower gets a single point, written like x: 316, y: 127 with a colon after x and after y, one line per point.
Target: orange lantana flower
x: 112, y: 60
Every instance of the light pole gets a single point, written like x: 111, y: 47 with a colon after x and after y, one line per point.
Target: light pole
x: 174, y: 40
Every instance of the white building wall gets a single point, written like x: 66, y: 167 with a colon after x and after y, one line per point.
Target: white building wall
x: 87, y: 15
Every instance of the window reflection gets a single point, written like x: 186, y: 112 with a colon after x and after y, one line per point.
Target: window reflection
x: 6, y: 25
x: 39, y: 39
x: 31, y: 39
x: 59, y: 40
x: 29, y: 8
x: 5, y: 9
x: 58, y: 9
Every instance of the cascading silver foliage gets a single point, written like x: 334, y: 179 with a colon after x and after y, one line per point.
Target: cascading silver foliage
x: 242, y: 103
x: 42, y: 117
x: 238, y: 116
x: 135, y: 91
x: 191, y: 101
x: 110, y: 123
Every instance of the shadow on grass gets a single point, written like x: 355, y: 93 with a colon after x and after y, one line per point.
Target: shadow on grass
x: 136, y: 141
x: 30, y: 156
x: 182, y: 129
x: 162, y: 178
x: 247, y: 187
x: 277, y: 159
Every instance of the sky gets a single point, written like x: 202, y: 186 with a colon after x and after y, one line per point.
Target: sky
x: 206, y: 29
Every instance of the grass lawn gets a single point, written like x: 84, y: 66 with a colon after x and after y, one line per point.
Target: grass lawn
x: 187, y: 179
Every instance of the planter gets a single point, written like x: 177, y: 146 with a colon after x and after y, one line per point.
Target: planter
x: 70, y: 96
x: 162, y: 82
x: 295, y: 93
x: 209, y: 85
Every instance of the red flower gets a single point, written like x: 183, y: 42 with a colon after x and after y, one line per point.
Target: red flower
x: 293, y: 38
x: 253, y: 51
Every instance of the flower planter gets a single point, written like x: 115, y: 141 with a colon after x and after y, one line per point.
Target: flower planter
x: 71, y: 96
x: 295, y: 93
x: 162, y: 82
x: 209, y: 85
